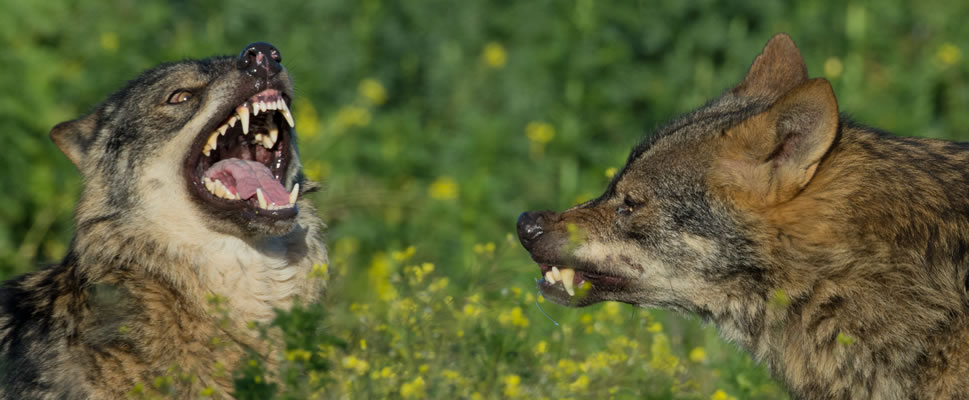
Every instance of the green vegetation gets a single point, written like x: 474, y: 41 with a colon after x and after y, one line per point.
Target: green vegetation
x: 433, y: 124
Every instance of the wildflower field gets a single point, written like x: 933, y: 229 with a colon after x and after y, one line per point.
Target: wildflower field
x: 432, y: 125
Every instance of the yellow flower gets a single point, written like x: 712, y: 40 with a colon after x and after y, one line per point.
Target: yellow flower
x: 406, y: 254
x: 611, y: 172
x: 379, y: 274
x: 541, y: 348
x: 540, y: 132
x: 470, y: 310
x: 363, y: 344
x: 580, y: 384
x: 698, y: 355
x: 655, y: 327
x: 515, y: 317
x: 413, y: 389
x: 298, y: 354
x: 512, y: 385
x: 306, y: 118
x: 438, y: 284
x: 948, y: 54
x: 662, y: 355
x: 495, y: 55
x: 355, y: 364
x: 443, y: 188
x: 833, y: 67
x: 372, y: 90
x: 110, y: 42
x: 721, y: 395
x: 317, y: 170
x: 349, y: 116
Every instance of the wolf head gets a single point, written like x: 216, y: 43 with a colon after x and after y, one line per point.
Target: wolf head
x: 213, y: 136
x: 191, y: 174
x: 676, y: 227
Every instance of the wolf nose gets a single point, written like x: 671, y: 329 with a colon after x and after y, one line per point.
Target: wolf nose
x: 529, y: 228
x: 260, y: 60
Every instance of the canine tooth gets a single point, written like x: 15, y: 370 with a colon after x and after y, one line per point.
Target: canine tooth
x: 549, y: 277
x: 213, y: 140
x: 294, y: 194
x: 232, y: 121
x: 262, y: 198
x: 556, y: 273
x: 243, y: 112
x: 568, y: 274
x: 286, y: 114
x: 273, y: 133
x: 219, y: 188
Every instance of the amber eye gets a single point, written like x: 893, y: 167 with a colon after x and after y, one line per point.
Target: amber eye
x: 627, y: 207
x: 180, y: 96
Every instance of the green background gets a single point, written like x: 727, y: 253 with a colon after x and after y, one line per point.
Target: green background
x: 433, y: 124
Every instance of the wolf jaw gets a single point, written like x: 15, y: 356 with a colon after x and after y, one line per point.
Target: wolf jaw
x: 242, y: 162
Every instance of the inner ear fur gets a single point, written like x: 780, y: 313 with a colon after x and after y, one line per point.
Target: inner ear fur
x: 772, y: 156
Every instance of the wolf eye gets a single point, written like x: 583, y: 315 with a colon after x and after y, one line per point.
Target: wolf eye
x: 627, y: 207
x: 180, y: 96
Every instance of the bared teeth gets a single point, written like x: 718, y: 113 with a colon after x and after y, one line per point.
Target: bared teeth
x: 564, y: 275
x: 273, y: 134
x: 284, y: 109
x: 243, y: 113
x: 550, y: 277
x: 232, y: 121
x: 261, y: 198
x: 217, y: 188
x: 294, y: 194
x: 222, y: 129
x: 568, y: 275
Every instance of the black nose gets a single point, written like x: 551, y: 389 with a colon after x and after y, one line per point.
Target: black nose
x: 529, y: 228
x: 260, y: 60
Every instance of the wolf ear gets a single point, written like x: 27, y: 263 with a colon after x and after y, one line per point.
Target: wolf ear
x: 773, y: 155
x: 777, y: 70
x: 74, y: 137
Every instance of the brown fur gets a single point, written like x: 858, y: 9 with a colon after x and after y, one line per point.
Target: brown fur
x: 160, y: 282
x: 835, y: 253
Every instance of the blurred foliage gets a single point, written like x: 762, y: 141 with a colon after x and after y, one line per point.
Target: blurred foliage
x: 435, y: 123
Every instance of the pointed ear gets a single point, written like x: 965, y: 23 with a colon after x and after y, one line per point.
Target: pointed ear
x: 770, y: 157
x: 777, y: 70
x: 74, y: 137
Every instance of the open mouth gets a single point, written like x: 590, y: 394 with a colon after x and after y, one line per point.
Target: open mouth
x: 242, y: 161
x: 580, y: 285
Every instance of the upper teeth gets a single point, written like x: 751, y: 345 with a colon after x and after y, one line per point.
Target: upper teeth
x: 566, y: 276
x: 267, y: 140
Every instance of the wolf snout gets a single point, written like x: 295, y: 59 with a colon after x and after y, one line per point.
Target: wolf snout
x: 530, y: 228
x: 260, y: 60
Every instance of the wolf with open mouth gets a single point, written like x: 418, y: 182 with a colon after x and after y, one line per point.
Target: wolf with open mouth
x: 191, y: 224
x: 835, y: 253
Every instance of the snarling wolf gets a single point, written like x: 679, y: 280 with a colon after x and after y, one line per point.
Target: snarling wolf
x: 835, y: 253
x: 191, y: 197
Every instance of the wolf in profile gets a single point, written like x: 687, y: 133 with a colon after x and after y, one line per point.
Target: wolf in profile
x: 834, y: 252
x: 191, y: 196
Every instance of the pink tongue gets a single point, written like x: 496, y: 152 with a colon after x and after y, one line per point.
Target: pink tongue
x: 244, y: 177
